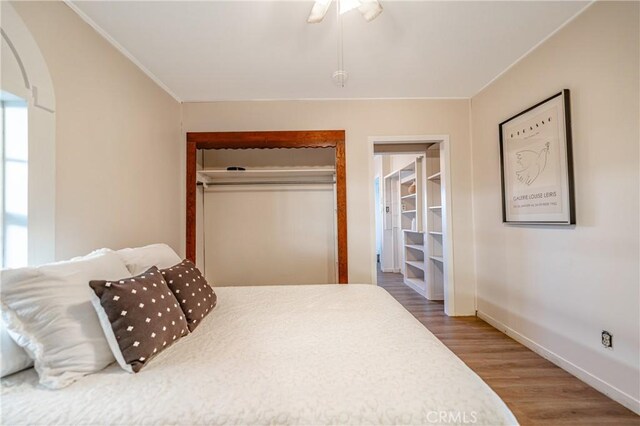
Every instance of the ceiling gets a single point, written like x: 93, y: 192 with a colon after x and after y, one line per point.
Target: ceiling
x: 246, y: 50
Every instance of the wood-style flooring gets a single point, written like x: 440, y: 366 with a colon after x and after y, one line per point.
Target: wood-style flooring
x: 536, y: 391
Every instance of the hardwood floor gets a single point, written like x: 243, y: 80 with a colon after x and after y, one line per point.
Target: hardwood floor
x: 536, y: 391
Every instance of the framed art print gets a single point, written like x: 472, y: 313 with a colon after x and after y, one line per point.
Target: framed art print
x: 537, y: 165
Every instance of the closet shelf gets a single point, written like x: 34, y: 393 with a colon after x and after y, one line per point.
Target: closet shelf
x: 435, y: 233
x: 435, y: 176
x: 408, y: 196
x: 408, y: 179
x: 418, y: 282
x: 437, y: 258
x: 415, y: 232
x: 415, y: 263
x: 212, y: 176
x: 408, y: 211
x: 415, y: 247
x: 435, y: 208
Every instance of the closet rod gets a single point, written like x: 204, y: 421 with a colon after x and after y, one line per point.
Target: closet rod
x: 269, y: 183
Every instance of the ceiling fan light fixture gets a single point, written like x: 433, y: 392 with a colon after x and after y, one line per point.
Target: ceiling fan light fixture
x: 370, y: 9
x: 318, y: 11
x: 340, y: 78
x: 348, y: 5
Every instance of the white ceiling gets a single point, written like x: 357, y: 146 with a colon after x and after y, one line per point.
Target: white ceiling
x: 240, y: 50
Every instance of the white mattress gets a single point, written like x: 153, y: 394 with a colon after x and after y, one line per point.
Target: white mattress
x: 325, y: 354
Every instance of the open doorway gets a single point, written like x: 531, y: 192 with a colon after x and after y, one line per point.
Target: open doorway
x: 412, y: 224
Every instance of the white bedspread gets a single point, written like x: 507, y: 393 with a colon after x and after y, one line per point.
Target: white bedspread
x: 325, y: 354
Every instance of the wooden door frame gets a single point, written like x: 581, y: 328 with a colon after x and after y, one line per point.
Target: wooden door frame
x: 268, y: 140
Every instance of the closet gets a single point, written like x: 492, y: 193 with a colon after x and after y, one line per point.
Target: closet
x: 267, y: 216
x: 412, y: 242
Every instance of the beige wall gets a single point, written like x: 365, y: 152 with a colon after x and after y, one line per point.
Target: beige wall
x: 270, y: 235
x: 556, y: 288
x: 118, y: 141
x: 362, y: 119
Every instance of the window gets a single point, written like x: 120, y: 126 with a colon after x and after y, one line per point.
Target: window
x: 15, y: 155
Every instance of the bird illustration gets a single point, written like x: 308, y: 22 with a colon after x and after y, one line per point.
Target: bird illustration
x: 532, y: 163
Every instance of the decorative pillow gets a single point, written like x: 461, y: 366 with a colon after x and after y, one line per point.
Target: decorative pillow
x: 139, y: 259
x: 47, y: 310
x: 140, y: 317
x: 14, y: 358
x: 195, y: 295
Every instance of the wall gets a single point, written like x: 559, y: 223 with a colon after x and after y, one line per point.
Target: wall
x: 118, y: 177
x: 273, y: 235
x: 556, y: 288
x: 362, y: 119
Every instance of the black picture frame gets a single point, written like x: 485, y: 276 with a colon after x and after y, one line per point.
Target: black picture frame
x: 534, y: 204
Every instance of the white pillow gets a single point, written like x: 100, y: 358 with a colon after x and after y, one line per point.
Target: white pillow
x: 48, y: 311
x: 139, y: 259
x: 13, y: 358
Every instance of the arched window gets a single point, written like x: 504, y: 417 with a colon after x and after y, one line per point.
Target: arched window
x: 27, y: 209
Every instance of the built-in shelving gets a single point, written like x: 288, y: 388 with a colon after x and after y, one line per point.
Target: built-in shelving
x: 405, y: 206
x: 412, y: 199
x: 435, y: 225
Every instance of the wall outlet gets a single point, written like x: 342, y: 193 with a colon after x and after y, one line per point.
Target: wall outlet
x: 607, y: 339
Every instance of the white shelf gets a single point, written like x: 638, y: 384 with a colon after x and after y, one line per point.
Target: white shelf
x: 435, y: 233
x: 411, y: 167
x: 437, y: 258
x: 408, y: 196
x: 414, y: 247
x: 407, y: 179
x: 418, y: 282
x: 415, y: 263
x: 415, y: 232
x: 435, y: 208
x: 408, y: 211
x: 223, y: 175
x: 435, y: 176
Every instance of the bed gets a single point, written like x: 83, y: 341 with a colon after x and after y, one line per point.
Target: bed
x: 312, y: 354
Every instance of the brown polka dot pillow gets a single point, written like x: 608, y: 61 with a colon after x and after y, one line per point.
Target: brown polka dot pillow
x: 140, y: 317
x: 195, y: 296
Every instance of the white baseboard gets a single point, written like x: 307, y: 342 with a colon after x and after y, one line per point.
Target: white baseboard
x: 593, y: 381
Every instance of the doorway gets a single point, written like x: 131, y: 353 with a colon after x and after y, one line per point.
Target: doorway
x: 412, y: 216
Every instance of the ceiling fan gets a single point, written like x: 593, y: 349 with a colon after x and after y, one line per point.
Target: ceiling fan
x: 370, y: 9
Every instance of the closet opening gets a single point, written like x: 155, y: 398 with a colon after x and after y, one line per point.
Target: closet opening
x: 260, y: 212
x: 412, y: 217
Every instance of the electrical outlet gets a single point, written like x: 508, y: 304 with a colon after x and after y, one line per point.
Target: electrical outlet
x: 607, y: 339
